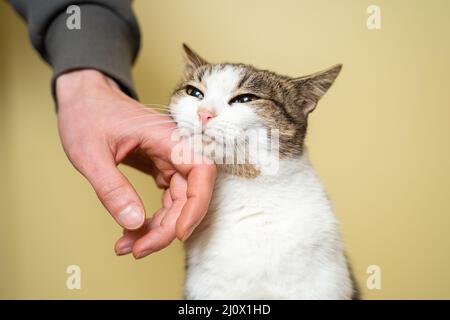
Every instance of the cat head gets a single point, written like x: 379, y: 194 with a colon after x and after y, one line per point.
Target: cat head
x: 223, y: 101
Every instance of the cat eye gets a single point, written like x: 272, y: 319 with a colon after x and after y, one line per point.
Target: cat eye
x: 243, y: 98
x: 193, y: 91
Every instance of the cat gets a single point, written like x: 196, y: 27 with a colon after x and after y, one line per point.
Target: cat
x: 266, y: 235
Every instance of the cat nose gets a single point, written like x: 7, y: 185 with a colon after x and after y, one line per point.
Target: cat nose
x: 205, y: 116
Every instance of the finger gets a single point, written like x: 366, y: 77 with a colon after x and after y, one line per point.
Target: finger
x: 176, y: 199
x: 200, y: 184
x: 161, y: 236
x: 114, y: 190
x: 161, y: 181
x: 125, y: 244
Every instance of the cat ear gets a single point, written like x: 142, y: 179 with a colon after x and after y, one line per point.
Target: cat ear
x: 312, y: 87
x: 191, y: 59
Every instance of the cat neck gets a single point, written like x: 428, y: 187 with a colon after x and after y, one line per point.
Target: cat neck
x: 271, y: 169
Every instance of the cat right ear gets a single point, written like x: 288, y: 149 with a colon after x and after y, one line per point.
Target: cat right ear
x: 192, y: 60
x: 311, y: 88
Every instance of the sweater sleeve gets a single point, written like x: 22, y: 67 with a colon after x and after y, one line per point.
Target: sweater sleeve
x: 108, y: 38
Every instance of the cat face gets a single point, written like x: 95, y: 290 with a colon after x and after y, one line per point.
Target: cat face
x: 225, y: 102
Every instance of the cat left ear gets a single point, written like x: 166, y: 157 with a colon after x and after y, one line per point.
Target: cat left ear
x: 192, y: 59
x: 311, y: 88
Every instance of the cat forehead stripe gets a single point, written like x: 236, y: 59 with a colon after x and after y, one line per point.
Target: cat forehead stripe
x: 223, y: 78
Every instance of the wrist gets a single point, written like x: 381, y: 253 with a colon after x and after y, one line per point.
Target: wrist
x: 74, y: 82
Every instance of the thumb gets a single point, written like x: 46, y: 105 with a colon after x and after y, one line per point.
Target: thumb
x: 115, y: 192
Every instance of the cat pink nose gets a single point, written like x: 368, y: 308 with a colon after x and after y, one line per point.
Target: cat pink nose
x: 205, y: 116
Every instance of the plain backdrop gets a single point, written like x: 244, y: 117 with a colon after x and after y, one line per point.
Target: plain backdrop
x: 379, y: 141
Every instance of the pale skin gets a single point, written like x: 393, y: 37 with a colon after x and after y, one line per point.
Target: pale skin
x: 101, y: 127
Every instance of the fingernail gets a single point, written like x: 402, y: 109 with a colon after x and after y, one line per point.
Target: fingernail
x: 142, y: 254
x: 123, y: 251
x: 131, y: 217
x: 187, y: 234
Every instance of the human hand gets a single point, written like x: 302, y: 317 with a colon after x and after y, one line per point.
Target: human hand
x: 101, y: 127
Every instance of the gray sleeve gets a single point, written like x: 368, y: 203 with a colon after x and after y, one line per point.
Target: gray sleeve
x: 108, y: 39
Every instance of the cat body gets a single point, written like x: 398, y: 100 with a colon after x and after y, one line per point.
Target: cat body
x: 267, y: 234
x: 260, y: 242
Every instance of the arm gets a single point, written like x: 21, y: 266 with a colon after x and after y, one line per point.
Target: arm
x: 108, y: 40
x: 101, y: 125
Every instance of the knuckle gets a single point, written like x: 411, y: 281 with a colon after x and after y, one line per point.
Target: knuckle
x: 110, y: 189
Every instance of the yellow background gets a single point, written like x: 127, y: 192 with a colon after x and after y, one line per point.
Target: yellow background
x: 379, y: 141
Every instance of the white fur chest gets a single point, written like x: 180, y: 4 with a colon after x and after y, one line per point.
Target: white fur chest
x: 271, y: 237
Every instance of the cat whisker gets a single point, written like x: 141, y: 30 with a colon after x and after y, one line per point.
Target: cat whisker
x: 149, y: 125
x: 152, y: 119
x: 156, y: 123
x: 157, y: 106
